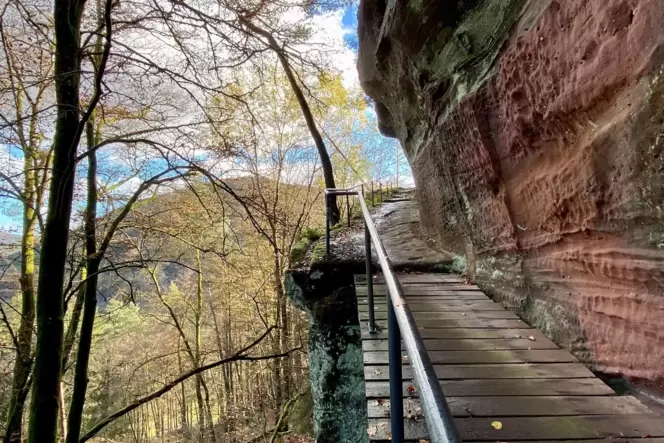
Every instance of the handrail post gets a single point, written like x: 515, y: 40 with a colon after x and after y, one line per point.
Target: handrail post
x: 396, y: 383
x: 348, y: 210
x: 327, y: 224
x: 372, y: 195
x: 439, y: 419
x: 370, y: 292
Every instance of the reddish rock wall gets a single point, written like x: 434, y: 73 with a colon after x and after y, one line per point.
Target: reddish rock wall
x: 535, y: 131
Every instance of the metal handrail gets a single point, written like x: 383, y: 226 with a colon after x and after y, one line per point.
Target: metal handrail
x: 400, y: 322
x: 329, y: 191
x: 370, y: 185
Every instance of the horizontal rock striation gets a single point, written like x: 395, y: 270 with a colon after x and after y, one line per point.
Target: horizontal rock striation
x: 535, y: 131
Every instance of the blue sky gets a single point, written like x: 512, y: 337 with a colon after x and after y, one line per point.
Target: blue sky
x: 349, y: 20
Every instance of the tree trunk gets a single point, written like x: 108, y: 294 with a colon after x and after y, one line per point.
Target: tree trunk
x: 50, y: 304
x: 208, y: 414
x: 277, y: 368
x: 23, y: 362
x: 90, y: 302
x: 63, y: 414
x: 326, y: 163
x: 205, y: 412
x: 183, y: 406
x: 201, y: 409
x: 222, y: 387
x: 285, y: 333
x: 83, y: 355
x: 74, y: 320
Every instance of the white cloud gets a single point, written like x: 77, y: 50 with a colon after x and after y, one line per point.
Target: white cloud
x: 331, y: 31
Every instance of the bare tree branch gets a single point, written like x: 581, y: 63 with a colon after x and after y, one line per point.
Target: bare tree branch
x: 238, y: 356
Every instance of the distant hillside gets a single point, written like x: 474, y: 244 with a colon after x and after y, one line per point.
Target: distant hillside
x: 10, y: 264
x: 111, y: 283
x: 9, y: 241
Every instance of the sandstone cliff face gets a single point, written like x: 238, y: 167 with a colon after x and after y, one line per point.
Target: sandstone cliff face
x: 535, y: 131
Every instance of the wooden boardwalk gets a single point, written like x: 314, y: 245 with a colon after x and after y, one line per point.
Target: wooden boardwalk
x: 496, y: 372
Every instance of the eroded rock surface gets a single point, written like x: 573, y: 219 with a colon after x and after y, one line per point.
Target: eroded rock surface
x: 535, y: 131
x: 326, y: 292
x: 398, y: 225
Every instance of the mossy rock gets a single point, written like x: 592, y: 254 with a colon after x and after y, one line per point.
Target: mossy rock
x: 312, y: 234
x: 299, y: 250
x: 318, y: 253
x: 301, y: 415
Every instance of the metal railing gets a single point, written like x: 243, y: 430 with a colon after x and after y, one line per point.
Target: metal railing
x: 371, y: 188
x: 400, y: 326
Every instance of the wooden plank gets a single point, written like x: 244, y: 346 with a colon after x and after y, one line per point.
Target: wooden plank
x: 519, y: 406
x: 447, y: 306
x: 497, y: 315
x: 488, y: 371
x: 414, y: 278
x: 480, y: 357
x: 451, y: 281
x: 443, y: 296
x: 467, y: 333
x: 536, y: 428
x: 609, y: 440
x: 420, y: 289
x: 471, y: 323
x: 439, y: 296
x: 425, y: 282
x: 502, y: 387
x: 454, y: 315
x: 463, y: 285
x: 468, y: 345
x: 418, y: 278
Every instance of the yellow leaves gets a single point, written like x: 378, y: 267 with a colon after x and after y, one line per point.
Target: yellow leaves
x: 413, y: 410
x: 373, y: 431
x: 497, y: 425
x: 332, y: 89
